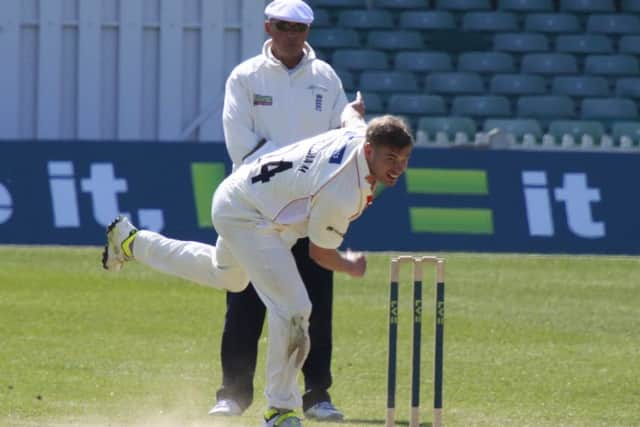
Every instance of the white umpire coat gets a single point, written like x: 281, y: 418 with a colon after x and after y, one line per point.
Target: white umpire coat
x: 266, y: 100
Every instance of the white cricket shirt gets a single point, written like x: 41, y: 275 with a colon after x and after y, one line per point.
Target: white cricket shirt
x: 313, y: 188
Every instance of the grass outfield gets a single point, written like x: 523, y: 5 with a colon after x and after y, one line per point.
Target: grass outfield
x: 529, y: 341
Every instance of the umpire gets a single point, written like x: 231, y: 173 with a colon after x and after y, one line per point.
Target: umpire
x: 282, y: 95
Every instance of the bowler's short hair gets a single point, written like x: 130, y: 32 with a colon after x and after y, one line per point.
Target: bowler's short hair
x: 390, y: 131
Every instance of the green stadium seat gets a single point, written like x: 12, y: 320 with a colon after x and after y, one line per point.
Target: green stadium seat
x: 416, y: 104
x: 520, y: 42
x: 426, y: 20
x: 628, y: 87
x: 516, y: 127
x: 584, y: 43
x: 463, y: 5
x: 609, y: 109
x: 526, y: 6
x: 486, y: 62
x: 450, y: 126
x: 545, y: 107
x: 631, y: 6
x: 614, y: 24
x: 490, y: 21
x: 321, y: 18
x: 388, y: 81
x: 481, y: 106
x: 552, y: 23
x: 630, y: 130
x: 549, y: 63
x: 354, y: 4
x: 333, y: 38
x: 395, y: 40
x: 580, y: 86
x: 360, y: 59
x: 612, y: 65
x: 629, y: 44
x: 587, y: 6
x: 454, y: 83
x: 423, y: 61
x: 365, y: 19
x: 518, y: 84
x: 576, y: 128
x: 402, y: 4
x: 347, y: 78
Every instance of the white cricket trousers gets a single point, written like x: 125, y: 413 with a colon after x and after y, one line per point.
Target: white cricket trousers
x: 246, y: 250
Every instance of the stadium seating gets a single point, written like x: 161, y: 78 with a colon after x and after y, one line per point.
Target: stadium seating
x: 388, y: 81
x: 423, y: 61
x: 520, y: 42
x: 552, y: 23
x: 395, y: 40
x: 486, y: 62
x: 553, y: 70
x: 517, y: 84
x: 489, y: 21
x: 454, y: 83
x: 365, y: 19
x: 628, y: 87
x: 545, y: 107
x: 360, y: 59
x: 584, y: 43
x: 333, y: 38
x: 481, y: 106
x: 412, y: 104
x: 428, y: 20
x: 580, y: 86
x: 549, y: 63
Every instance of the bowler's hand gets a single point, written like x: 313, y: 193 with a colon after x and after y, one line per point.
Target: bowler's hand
x: 357, y: 263
x: 358, y: 104
x: 353, y: 113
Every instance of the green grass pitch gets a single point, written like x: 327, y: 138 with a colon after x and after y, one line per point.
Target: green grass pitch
x: 529, y: 341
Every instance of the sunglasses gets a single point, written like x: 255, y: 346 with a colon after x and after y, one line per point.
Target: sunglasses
x: 294, y: 27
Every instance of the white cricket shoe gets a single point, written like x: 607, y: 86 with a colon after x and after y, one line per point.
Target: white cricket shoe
x: 281, y: 418
x: 226, y: 408
x: 324, y: 411
x: 120, y: 235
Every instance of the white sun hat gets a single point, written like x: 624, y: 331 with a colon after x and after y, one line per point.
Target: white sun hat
x: 290, y: 11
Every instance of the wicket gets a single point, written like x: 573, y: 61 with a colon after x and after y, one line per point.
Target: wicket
x: 418, y: 263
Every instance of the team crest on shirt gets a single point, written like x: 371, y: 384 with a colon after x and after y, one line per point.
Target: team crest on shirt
x: 337, y: 155
x: 318, y: 97
x: 262, y: 100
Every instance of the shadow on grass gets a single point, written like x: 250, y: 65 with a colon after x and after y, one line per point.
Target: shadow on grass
x: 378, y: 422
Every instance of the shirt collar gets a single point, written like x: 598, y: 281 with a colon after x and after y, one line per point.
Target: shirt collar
x: 309, y: 55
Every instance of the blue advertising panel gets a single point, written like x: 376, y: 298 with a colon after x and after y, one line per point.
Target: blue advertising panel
x: 449, y: 200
